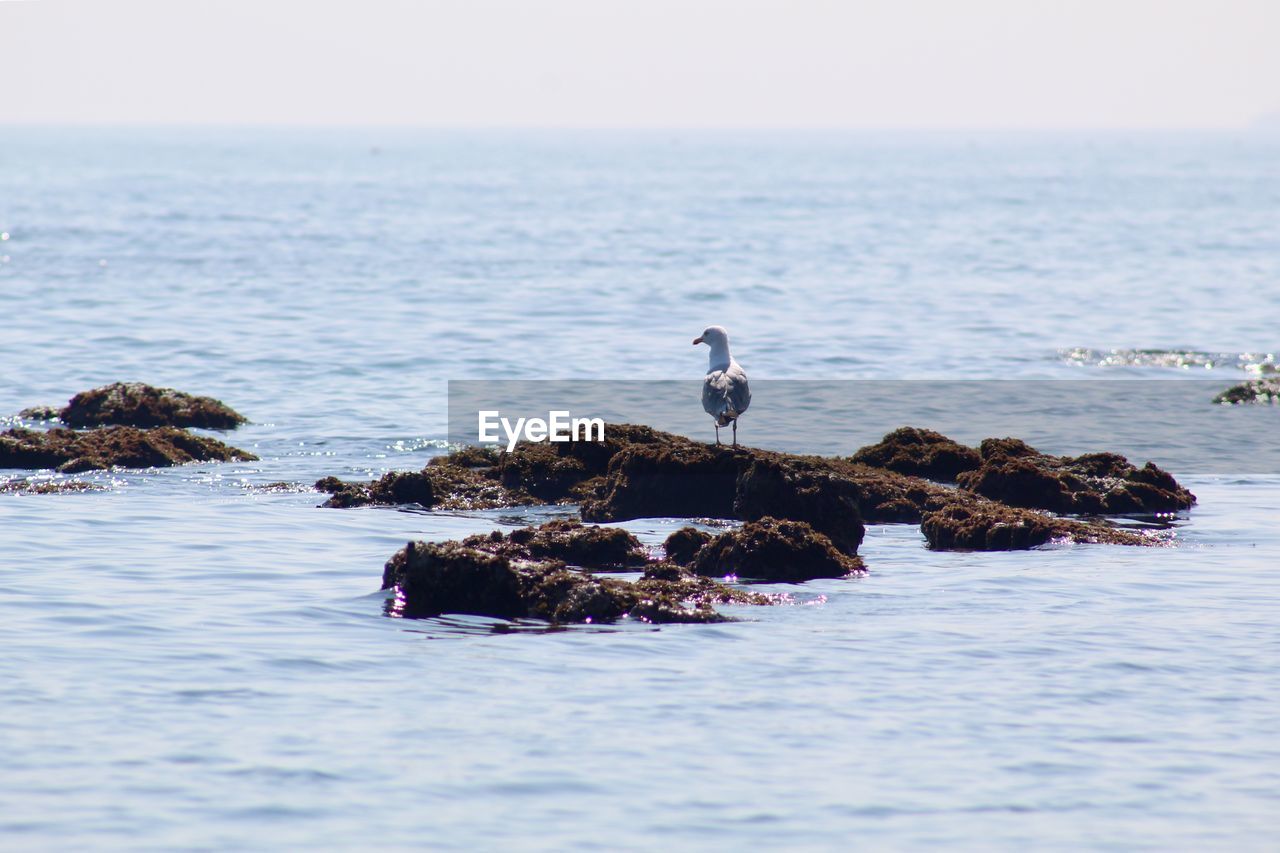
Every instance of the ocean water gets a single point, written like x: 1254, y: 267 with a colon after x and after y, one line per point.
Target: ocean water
x: 192, y: 661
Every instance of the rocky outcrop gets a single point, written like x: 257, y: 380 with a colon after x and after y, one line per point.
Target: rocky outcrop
x: 919, y: 453
x: 973, y: 524
x: 71, y: 451
x: 683, y: 545
x: 1092, y: 484
x: 140, y: 405
x: 452, y: 577
x: 1253, y: 391
x: 776, y: 551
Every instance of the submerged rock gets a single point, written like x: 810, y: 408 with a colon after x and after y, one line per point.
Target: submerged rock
x: 452, y: 577
x: 683, y: 545
x: 140, y: 405
x: 48, y: 487
x: 1253, y: 391
x: 71, y: 451
x: 778, y: 551
x: 919, y: 453
x: 1092, y: 484
x: 973, y: 524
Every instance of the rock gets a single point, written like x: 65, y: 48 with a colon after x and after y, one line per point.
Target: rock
x: 40, y: 413
x: 571, y: 542
x: 1092, y: 484
x: 919, y: 453
x: 136, y: 404
x: 683, y: 545
x: 437, y: 486
x: 775, y: 551
x: 802, y: 490
x: 1253, y: 391
x: 452, y: 577
x: 27, y: 487
x: 973, y: 524
x: 693, y: 480
x: 682, y: 479
x: 71, y: 451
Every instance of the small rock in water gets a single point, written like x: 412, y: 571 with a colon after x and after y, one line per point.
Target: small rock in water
x: 683, y: 545
x: 141, y: 405
x: 774, y: 550
x: 1253, y: 391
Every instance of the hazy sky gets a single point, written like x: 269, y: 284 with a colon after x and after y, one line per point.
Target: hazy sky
x: 673, y: 63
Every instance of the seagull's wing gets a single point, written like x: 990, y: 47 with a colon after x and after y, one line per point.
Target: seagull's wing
x: 725, y: 394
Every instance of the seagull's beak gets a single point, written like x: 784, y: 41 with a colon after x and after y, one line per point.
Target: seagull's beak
x: 697, y: 341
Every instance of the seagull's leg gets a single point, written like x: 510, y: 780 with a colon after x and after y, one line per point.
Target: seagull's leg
x: 735, y: 432
x: 717, y: 435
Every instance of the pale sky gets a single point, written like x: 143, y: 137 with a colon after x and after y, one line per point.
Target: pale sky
x: 643, y: 63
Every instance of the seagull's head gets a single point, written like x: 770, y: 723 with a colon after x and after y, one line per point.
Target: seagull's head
x: 713, y: 336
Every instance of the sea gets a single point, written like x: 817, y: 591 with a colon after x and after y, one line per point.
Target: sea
x: 199, y: 658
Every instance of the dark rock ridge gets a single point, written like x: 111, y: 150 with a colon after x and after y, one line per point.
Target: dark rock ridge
x: 777, y: 551
x: 140, y: 405
x: 452, y: 577
x: 1253, y: 391
x: 920, y: 453
x: 1092, y: 484
x: 969, y: 524
x: 70, y: 451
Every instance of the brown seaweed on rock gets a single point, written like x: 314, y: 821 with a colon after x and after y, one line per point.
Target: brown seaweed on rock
x: 775, y: 551
x: 919, y: 453
x: 140, y: 405
x: 569, y: 541
x: 451, y: 577
x: 1014, y: 473
x: 683, y: 545
x: 71, y: 451
x: 974, y: 524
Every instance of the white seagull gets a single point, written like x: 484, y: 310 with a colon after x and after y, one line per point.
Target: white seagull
x: 725, y: 393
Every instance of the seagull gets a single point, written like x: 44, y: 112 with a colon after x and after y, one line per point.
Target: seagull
x: 725, y: 393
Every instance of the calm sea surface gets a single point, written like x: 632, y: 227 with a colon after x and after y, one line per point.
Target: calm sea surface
x: 193, y: 662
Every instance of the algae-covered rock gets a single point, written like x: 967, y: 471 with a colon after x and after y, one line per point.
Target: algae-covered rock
x: 453, y: 577
x: 436, y: 486
x: 683, y: 545
x: 1253, y: 391
x: 140, y: 405
x: 572, y: 542
x: 682, y: 479
x: 774, y: 550
x: 1092, y: 484
x: 71, y: 451
x: 796, y: 489
x: 973, y: 524
x: 919, y: 453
